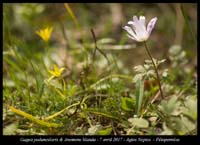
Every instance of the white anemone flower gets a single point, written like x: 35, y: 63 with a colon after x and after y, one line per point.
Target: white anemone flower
x: 138, y: 31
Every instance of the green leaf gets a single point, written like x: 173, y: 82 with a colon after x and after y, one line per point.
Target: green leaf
x: 102, y: 113
x: 71, y: 90
x: 186, y: 125
x: 181, y: 125
x: 39, y: 80
x: 139, y: 95
x: 191, y: 109
x: 137, y: 77
x: 94, y: 129
x: 128, y: 104
x: 40, y: 85
x: 150, y: 73
x: 12, y: 64
x: 106, y: 131
x: 165, y: 73
x: 34, y: 119
x: 10, y: 129
x: 157, y: 62
x: 139, y: 69
x: 161, y: 61
x: 167, y: 131
x: 139, y: 122
x: 102, y: 87
x: 171, y: 106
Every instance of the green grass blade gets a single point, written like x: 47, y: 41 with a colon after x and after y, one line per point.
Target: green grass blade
x: 60, y: 112
x: 12, y: 64
x: 71, y: 13
x: 139, y: 95
x: 188, y: 24
x: 99, y: 112
x: 32, y: 118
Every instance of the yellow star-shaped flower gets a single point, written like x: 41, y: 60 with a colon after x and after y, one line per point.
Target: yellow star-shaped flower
x: 45, y: 34
x: 56, y: 72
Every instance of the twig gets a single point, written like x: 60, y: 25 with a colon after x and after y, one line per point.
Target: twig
x: 96, y: 48
x: 155, y: 97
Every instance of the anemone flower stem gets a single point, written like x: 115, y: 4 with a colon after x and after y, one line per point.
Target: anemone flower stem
x: 158, y: 78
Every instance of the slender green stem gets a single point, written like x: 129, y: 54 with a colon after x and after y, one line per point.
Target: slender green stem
x: 158, y: 78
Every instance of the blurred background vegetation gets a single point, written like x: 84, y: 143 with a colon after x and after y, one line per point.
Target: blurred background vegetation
x: 22, y: 20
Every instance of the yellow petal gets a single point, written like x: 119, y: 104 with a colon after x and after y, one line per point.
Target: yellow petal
x: 55, y: 68
x: 62, y: 69
x: 51, y: 72
x: 45, y: 33
x: 56, y: 72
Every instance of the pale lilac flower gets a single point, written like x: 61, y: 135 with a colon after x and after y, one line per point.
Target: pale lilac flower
x: 138, y: 31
